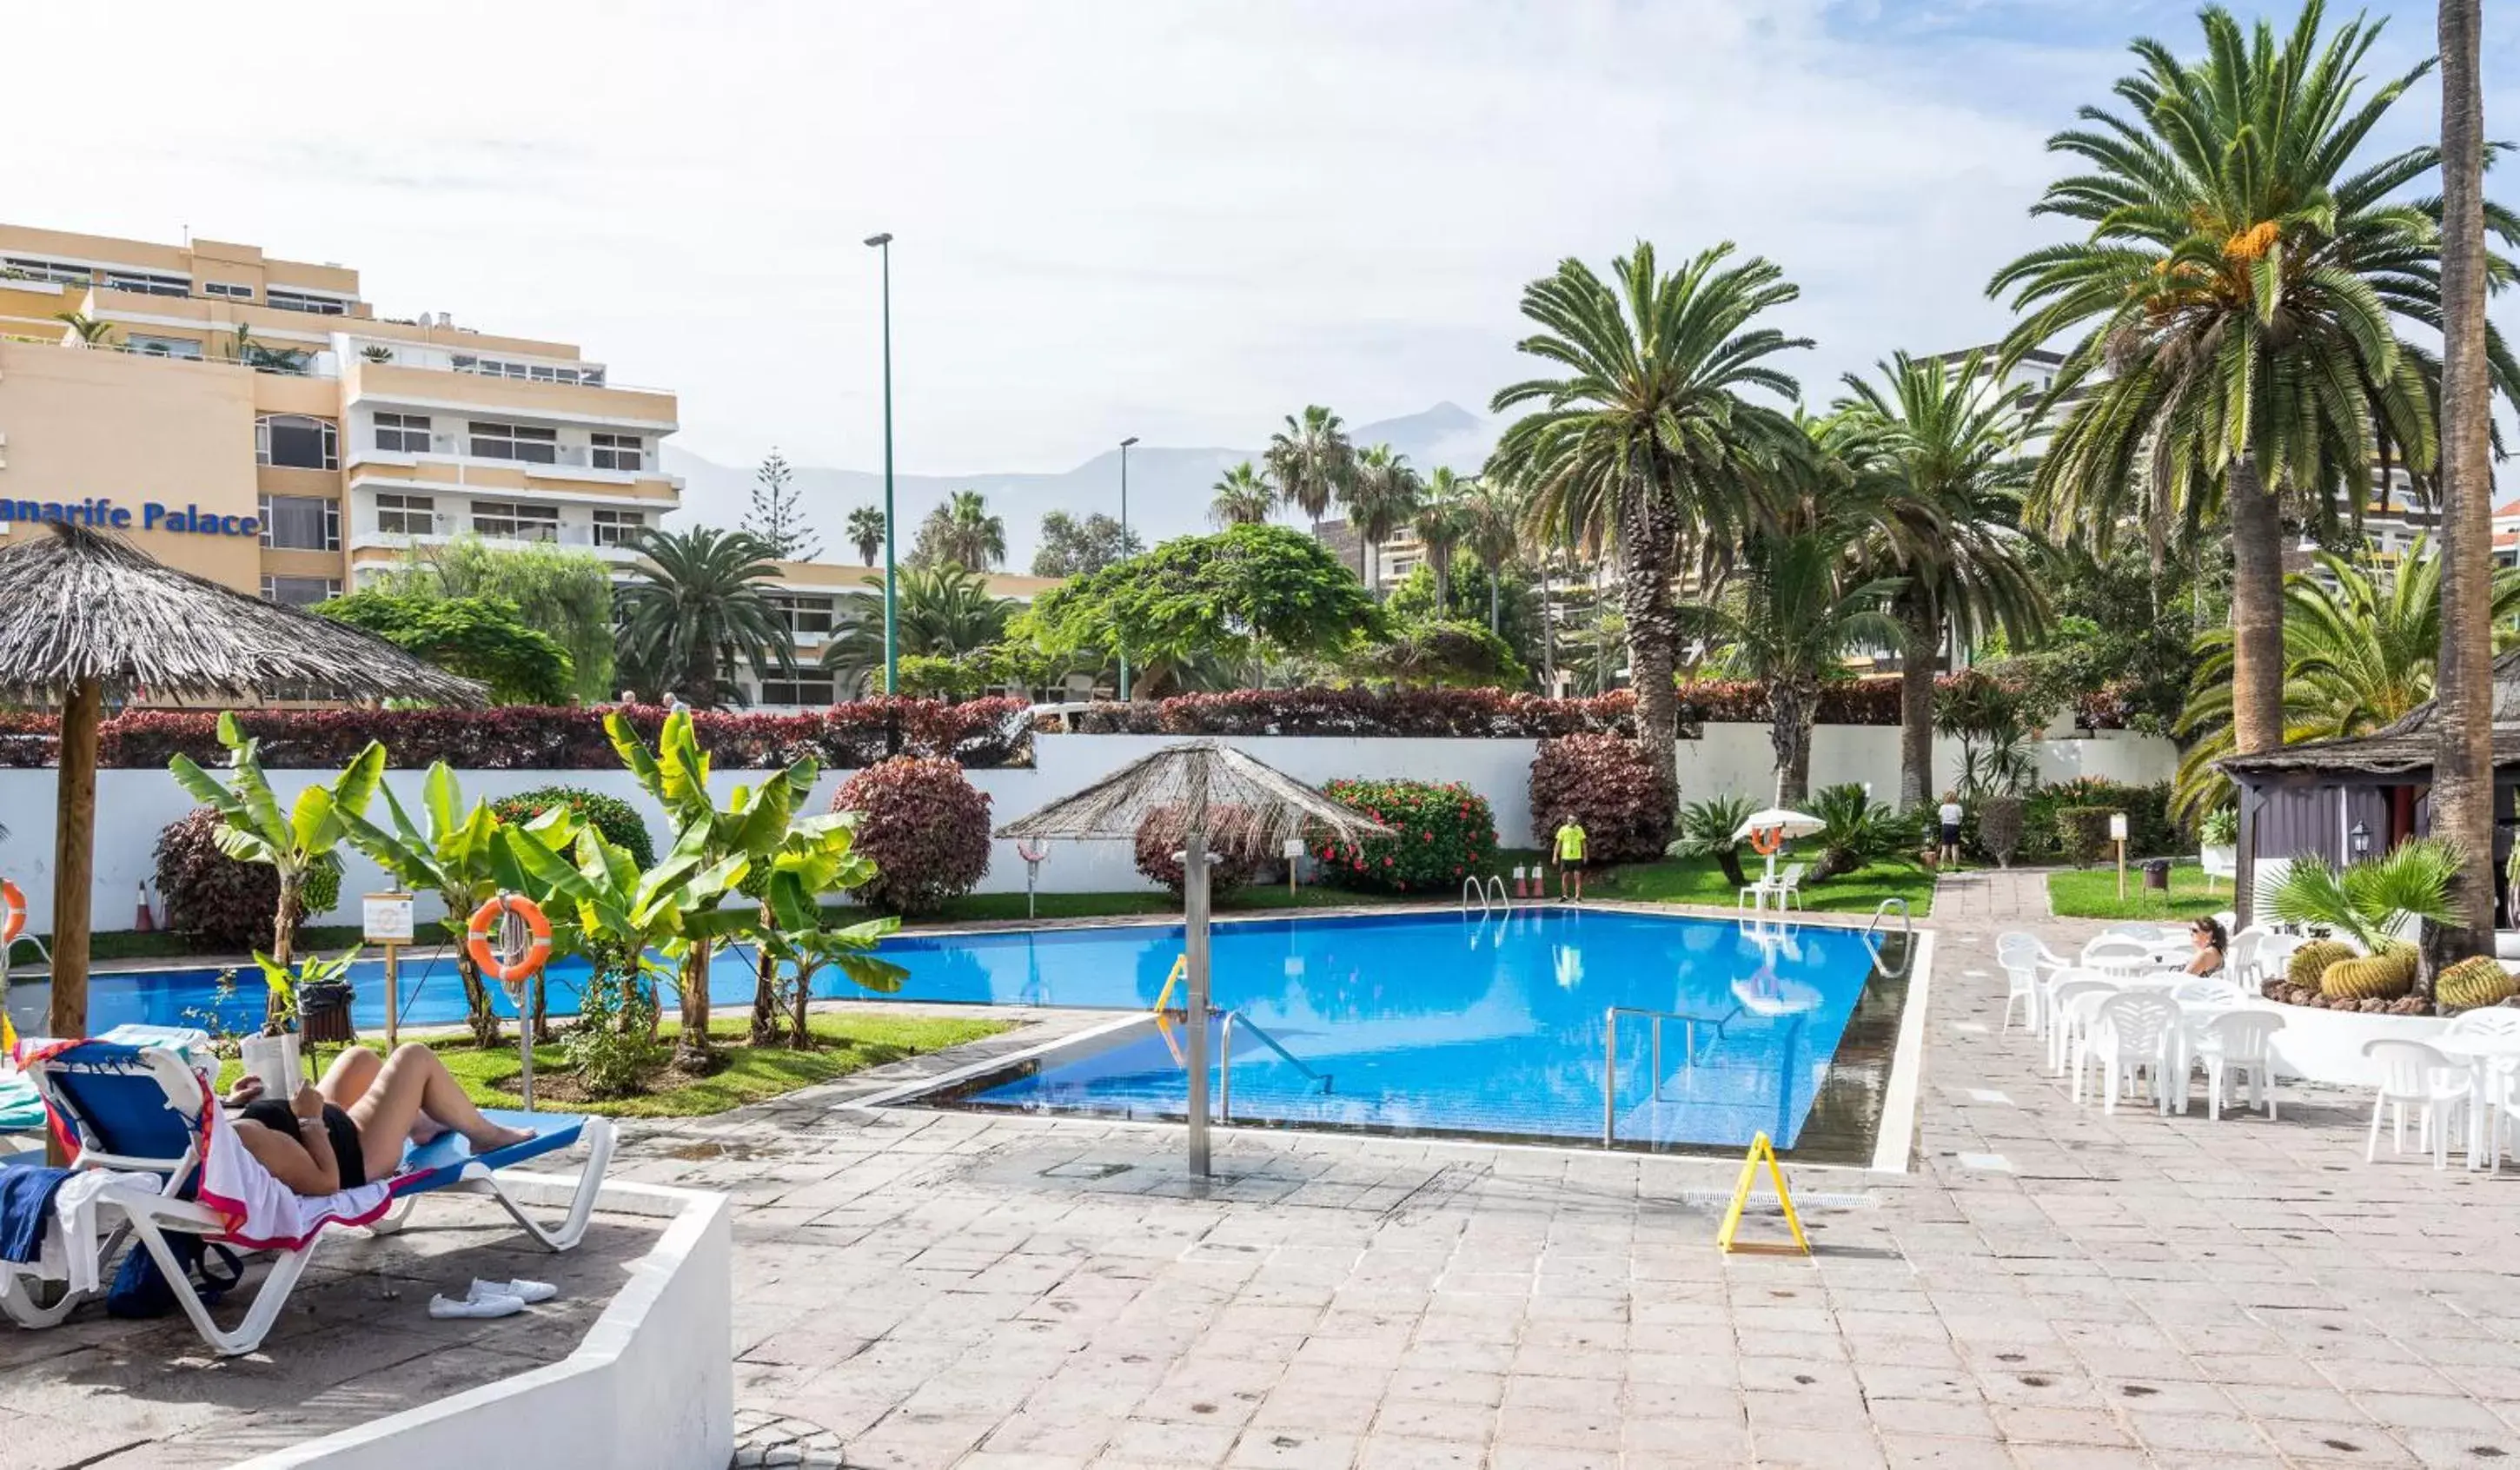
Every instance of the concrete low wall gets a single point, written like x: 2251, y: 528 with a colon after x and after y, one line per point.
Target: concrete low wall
x: 652, y: 1388
x: 134, y: 805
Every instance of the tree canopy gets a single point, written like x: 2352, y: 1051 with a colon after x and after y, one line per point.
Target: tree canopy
x: 478, y: 638
x: 1247, y: 590
x: 1072, y: 547
x: 564, y: 593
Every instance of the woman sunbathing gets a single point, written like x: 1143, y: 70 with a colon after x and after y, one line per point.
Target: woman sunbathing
x: 351, y: 1127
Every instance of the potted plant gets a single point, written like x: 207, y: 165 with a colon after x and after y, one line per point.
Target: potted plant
x: 2217, y: 841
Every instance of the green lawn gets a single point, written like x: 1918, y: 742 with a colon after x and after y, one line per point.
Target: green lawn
x: 1699, y: 880
x: 2092, y: 893
x: 851, y: 1042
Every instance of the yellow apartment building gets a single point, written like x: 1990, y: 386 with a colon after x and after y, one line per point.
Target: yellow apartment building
x: 253, y: 421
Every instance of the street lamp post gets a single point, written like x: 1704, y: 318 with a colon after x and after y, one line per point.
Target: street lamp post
x: 1124, y: 537
x: 883, y: 246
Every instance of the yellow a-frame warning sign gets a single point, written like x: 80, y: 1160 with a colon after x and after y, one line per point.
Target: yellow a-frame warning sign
x: 1761, y: 1150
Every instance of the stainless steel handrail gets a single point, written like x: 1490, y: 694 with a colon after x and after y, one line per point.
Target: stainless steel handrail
x: 1470, y: 889
x: 1610, y: 1058
x: 1504, y: 899
x: 1906, y: 925
x: 1225, y: 1061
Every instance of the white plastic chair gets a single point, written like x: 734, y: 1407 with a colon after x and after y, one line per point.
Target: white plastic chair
x: 2132, y: 1035
x: 1785, y: 888
x: 2503, y: 1077
x: 2021, y: 988
x: 2414, y: 1072
x: 2240, y: 961
x: 2206, y: 990
x: 2237, y: 1041
x: 2076, y: 1002
x: 2014, y: 944
x: 2122, y: 956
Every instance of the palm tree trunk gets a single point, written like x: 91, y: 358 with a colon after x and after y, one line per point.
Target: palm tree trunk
x: 1916, y: 703
x: 477, y: 1011
x: 692, y: 1048
x: 1443, y: 579
x: 1495, y: 575
x: 1653, y: 631
x: 2463, y: 680
x: 1791, y: 706
x: 2257, y: 634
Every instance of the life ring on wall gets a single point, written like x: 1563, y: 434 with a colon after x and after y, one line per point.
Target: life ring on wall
x: 1767, y: 841
x: 485, y: 922
x: 12, y: 912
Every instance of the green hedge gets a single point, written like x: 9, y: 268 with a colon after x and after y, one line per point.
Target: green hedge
x: 1440, y: 835
x: 617, y: 820
x: 2151, y: 832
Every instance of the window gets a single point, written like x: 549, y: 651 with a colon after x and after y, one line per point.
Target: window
x: 804, y: 688
x: 619, y: 451
x: 302, y: 523
x: 808, y: 618
x: 149, y: 283
x: 165, y: 346
x: 617, y: 527
x: 510, y: 521
x: 59, y: 272
x: 514, y: 441
x: 298, y: 300
x: 406, y: 514
x: 492, y: 367
x: 301, y: 591
x: 295, y: 441
x: 402, y: 433
x: 228, y: 289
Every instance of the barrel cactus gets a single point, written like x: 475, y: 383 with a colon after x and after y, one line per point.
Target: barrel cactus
x: 2471, y: 983
x: 2312, y: 960
x: 2384, y: 976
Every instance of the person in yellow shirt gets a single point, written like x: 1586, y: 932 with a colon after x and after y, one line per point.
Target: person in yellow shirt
x: 1570, y: 857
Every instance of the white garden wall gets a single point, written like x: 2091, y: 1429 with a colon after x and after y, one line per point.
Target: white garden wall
x: 132, y: 806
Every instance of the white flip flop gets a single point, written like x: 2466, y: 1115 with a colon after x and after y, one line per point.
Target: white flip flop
x: 480, y: 1306
x: 522, y: 1290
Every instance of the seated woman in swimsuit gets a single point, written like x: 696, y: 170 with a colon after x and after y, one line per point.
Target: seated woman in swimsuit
x: 2210, y: 941
x: 351, y: 1127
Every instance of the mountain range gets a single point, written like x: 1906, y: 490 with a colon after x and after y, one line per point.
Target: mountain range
x: 1169, y: 487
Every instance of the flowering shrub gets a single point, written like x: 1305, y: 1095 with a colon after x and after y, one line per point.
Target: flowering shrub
x: 617, y: 820
x: 1440, y: 835
x: 1491, y: 714
x: 220, y: 906
x: 926, y: 826
x: 1610, y: 787
x: 1159, y: 845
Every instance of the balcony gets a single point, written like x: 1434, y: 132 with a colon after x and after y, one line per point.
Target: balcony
x: 609, y: 405
x: 628, y: 464
x: 366, y: 533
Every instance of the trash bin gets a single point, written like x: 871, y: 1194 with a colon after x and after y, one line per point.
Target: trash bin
x: 323, y: 1014
x: 2156, y: 873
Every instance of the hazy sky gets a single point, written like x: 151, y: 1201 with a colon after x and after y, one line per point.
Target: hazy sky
x: 1173, y: 218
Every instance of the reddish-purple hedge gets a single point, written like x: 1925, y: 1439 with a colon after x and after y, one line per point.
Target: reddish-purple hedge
x: 1610, y: 787
x: 1490, y: 714
x: 1159, y: 843
x: 980, y: 734
x: 926, y: 826
x: 1440, y: 835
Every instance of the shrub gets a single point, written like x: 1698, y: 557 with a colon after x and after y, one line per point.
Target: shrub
x: 2219, y: 828
x: 218, y: 904
x: 1159, y: 845
x: 2151, y: 830
x: 1440, y: 834
x: 1998, y: 827
x: 2084, y: 833
x: 617, y: 820
x: 1476, y: 713
x: 1611, y: 787
x: 1856, y: 831
x: 1707, y: 831
x: 924, y: 825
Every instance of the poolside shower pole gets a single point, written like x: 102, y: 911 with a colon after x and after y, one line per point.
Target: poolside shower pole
x: 1194, y: 948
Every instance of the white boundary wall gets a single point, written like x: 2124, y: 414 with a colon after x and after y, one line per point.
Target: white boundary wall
x: 133, y: 806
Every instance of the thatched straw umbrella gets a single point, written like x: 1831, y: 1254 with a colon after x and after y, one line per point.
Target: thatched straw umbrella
x: 1218, y: 800
x: 85, y: 616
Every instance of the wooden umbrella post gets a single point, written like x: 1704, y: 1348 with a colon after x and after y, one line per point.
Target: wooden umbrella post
x: 74, y: 858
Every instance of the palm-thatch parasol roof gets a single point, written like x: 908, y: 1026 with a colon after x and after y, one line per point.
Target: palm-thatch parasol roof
x: 1249, y: 806
x: 81, y: 606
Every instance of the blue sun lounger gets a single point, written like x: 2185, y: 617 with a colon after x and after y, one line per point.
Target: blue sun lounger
x: 143, y: 1109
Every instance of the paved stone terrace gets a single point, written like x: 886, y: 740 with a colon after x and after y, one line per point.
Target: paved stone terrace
x: 2050, y: 1288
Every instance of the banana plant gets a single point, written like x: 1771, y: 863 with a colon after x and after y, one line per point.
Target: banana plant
x: 254, y: 829
x: 816, y: 857
x: 451, y: 856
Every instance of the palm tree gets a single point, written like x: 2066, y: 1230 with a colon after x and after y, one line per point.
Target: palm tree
x: 2463, y: 766
x: 1382, y: 496
x: 962, y: 533
x: 1948, y: 443
x: 2361, y: 651
x: 1243, y: 497
x: 1648, y: 442
x: 696, y: 605
x: 1441, y: 521
x: 940, y: 612
x: 865, y: 532
x: 2242, y: 281
x: 1492, y: 514
x: 92, y: 332
x: 1311, y: 461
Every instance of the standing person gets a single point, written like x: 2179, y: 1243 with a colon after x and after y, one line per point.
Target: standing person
x: 1951, y: 818
x: 1570, y: 856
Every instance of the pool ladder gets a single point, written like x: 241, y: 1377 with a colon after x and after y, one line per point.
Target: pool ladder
x: 1907, y: 931
x: 1610, y: 1058
x: 1471, y: 889
x: 1225, y: 1061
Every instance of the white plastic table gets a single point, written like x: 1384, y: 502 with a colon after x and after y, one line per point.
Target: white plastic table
x: 2481, y: 1053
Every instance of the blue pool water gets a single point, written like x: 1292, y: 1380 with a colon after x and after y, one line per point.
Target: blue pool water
x: 1424, y: 1022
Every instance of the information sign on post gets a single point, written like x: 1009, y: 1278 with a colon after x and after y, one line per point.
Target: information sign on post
x: 2118, y: 836
x: 1294, y: 851
x: 384, y: 919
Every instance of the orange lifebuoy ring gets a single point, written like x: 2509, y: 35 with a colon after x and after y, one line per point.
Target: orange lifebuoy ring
x: 477, y: 932
x: 13, y: 912
x: 1767, y: 841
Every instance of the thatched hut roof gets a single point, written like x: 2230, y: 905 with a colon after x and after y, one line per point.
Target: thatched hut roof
x: 2401, y: 748
x: 81, y: 604
x: 1248, y: 806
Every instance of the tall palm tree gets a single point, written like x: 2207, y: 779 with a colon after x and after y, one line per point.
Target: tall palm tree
x: 1491, y: 512
x: 1312, y: 461
x: 695, y: 606
x: 92, y: 332
x: 865, y: 532
x: 2463, y: 766
x: 1647, y: 443
x: 1948, y: 443
x: 2241, y: 281
x: 1441, y: 521
x: 962, y: 533
x: 940, y: 612
x: 1243, y: 497
x: 1382, y: 496
x: 2361, y: 644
